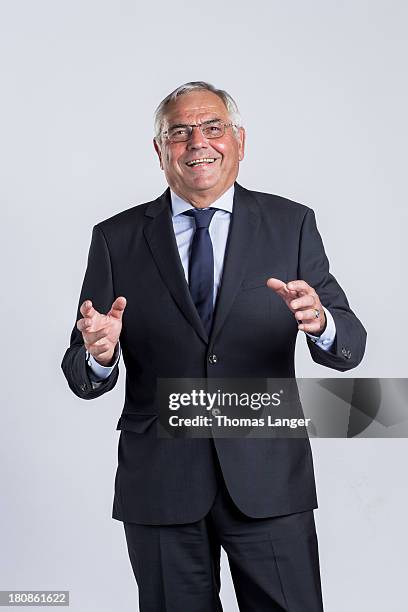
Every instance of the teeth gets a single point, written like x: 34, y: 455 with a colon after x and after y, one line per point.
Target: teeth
x: 207, y: 160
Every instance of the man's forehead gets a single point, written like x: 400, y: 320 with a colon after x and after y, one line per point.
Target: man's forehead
x: 191, y: 107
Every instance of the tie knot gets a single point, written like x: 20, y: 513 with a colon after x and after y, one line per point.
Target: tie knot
x: 202, y: 216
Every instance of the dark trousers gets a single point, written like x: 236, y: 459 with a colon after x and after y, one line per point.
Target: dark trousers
x: 274, y: 562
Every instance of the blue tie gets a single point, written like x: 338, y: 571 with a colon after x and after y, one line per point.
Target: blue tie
x: 201, y: 267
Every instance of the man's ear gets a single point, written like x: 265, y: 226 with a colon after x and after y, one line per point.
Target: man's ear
x: 158, y: 151
x: 242, y: 135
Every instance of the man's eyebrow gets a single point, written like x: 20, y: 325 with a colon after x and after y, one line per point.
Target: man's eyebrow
x: 182, y: 125
x: 177, y: 125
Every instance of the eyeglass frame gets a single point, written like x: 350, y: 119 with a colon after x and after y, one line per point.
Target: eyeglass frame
x: 199, y: 125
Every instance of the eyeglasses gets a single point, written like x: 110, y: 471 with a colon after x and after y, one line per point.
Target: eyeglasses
x: 209, y: 129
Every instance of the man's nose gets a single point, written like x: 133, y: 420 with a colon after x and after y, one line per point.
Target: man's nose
x: 197, y: 140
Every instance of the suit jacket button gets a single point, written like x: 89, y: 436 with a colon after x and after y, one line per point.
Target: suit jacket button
x: 213, y: 359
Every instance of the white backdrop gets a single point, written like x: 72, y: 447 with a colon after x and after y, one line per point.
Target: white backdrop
x: 322, y: 89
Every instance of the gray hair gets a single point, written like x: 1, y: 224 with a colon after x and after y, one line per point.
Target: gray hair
x: 228, y: 100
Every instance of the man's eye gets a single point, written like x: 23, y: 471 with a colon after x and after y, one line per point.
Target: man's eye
x: 213, y: 129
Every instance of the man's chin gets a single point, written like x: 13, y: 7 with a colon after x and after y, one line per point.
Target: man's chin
x: 202, y: 183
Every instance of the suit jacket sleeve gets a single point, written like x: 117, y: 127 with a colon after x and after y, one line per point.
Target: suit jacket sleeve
x: 313, y: 267
x: 98, y: 287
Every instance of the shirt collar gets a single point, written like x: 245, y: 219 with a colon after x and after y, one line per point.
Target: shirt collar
x: 224, y: 202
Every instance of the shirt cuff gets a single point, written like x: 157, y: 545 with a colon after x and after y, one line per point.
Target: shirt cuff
x: 98, y: 372
x: 326, y: 340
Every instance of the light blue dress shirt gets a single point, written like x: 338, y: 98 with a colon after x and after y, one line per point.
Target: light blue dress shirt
x: 184, y: 228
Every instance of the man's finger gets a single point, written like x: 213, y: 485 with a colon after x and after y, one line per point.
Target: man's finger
x: 299, y: 285
x: 98, y: 350
x: 92, y: 337
x: 87, y: 323
x: 280, y: 288
x: 303, y: 302
x: 86, y: 309
x: 310, y: 328
x: 83, y: 325
x: 118, y: 307
x: 307, y: 316
x: 276, y: 284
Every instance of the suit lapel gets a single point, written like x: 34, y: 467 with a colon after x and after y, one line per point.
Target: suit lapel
x: 242, y: 235
x: 160, y: 237
x: 243, y: 231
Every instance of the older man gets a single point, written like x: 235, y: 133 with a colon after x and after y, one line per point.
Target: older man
x: 210, y: 280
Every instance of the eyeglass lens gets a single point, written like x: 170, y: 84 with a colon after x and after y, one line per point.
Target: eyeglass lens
x: 214, y: 129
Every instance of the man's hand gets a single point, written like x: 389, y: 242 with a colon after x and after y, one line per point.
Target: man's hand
x: 303, y: 301
x: 101, y: 332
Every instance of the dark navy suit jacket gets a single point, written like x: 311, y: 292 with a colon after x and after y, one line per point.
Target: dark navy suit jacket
x: 134, y: 254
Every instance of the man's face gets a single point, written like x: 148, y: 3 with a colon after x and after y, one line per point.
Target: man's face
x: 205, y: 182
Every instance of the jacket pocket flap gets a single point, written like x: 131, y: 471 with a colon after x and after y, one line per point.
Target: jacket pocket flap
x: 136, y: 422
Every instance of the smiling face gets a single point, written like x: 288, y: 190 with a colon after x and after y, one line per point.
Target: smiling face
x: 203, y: 183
